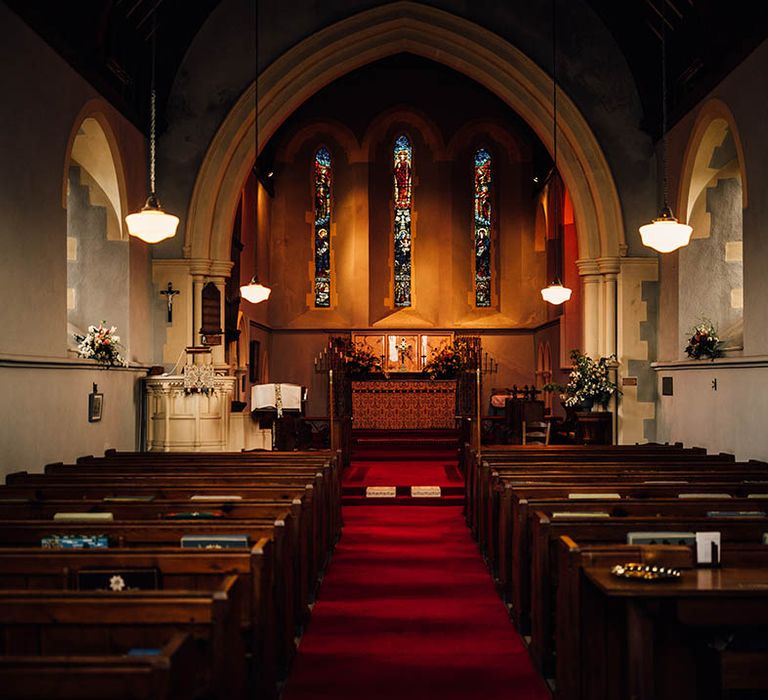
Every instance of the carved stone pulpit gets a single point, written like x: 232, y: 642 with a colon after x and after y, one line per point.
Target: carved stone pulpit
x: 189, y: 411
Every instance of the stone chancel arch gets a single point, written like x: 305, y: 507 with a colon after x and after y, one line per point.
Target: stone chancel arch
x: 395, y: 28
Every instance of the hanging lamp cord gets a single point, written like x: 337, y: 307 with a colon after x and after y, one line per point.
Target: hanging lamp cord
x: 664, y: 111
x: 152, y: 114
x: 554, y: 180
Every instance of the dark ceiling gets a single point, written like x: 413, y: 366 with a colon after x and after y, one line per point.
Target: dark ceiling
x: 109, y: 43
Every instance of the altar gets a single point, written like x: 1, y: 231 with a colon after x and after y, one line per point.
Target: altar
x: 404, y: 404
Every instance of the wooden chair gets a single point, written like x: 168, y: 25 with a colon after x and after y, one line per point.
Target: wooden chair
x: 535, y: 433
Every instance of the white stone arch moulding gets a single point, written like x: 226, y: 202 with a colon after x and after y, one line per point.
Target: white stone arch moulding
x: 97, y: 110
x: 369, y: 36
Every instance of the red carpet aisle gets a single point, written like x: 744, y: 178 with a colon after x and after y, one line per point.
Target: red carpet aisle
x: 407, y: 611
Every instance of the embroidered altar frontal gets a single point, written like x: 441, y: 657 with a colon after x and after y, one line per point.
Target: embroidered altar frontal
x: 404, y: 405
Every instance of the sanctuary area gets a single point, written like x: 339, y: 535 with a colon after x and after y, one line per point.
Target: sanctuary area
x: 384, y: 348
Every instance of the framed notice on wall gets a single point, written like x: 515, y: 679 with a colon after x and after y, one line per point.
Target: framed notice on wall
x: 95, y: 404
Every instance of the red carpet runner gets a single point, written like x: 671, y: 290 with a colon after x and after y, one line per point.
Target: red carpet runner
x: 407, y: 611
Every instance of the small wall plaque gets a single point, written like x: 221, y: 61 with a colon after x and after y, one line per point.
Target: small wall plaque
x: 629, y: 381
x: 666, y: 386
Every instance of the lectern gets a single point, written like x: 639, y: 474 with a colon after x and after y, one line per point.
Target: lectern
x: 276, y: 407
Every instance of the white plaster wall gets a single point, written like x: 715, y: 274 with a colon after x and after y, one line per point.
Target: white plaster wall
x: 728, y: 419
x: 44, y: 415
x: 43, y: 412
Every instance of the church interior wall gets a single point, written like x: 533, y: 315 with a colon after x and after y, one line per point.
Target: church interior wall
x: 44, y: 415
x: 719, y: 404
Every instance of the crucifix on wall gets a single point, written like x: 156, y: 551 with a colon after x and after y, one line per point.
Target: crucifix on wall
x: 169, y: 293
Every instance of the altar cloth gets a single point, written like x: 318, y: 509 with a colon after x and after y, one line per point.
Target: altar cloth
x: 418, y: 404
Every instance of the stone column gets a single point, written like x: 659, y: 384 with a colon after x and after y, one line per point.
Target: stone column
x: 220, y: 270
x: 609, y: 269
x: 198, y: 269
x: 590, y: 284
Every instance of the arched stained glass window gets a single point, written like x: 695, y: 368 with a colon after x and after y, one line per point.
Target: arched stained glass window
x: 322, y: 227
x: 482, y: 227
x: 403, y: 180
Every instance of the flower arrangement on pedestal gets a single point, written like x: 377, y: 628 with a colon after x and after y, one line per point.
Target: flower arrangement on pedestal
x: 589, y: 382
x: 101, y: 343
x: 447, y: 361
x: 703, y: 342
x: 360, y: 359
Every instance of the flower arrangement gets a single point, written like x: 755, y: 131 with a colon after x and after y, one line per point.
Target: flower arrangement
x: 703, y: 342
x: 447, y: 361
x: 359, y: 359
x: 102, y: 344
x: 588, y: 382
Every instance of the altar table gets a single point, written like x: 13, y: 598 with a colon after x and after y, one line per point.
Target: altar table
x: 413, y: 404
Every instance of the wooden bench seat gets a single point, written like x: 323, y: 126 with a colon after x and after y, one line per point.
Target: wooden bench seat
x: 77, y: 623
x: 161, y: 675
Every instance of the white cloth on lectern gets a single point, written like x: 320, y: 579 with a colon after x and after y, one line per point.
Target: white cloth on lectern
x: 264, y: 396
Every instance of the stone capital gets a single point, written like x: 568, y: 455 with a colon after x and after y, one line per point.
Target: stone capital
x: 608, y: 265
x: 587, y: 267
x: 199, y: 266
x: 220, y: 268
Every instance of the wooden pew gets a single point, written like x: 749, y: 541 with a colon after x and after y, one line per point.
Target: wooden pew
x: 574, y: 632
x: 77, y: 623
x: 545, y: 535
x: 649, y: 640
x: 177, y: 569
x: 164, y: 675
x: 152, y: 534
x: 516, y: 502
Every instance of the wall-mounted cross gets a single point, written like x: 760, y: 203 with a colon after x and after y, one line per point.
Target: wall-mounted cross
x: 169, y: 293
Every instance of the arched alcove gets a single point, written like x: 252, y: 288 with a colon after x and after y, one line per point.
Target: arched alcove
x: 711, y: 267
x: 98, y: 265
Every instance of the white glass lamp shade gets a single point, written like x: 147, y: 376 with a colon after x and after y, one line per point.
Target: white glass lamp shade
x: 152, y: 224
x: 255, y: 292
x: 666, y: 233
x: 556, y: 293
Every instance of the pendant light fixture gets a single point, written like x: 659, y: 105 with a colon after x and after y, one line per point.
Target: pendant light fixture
x: 665, y: 234
x: 254, y: 291
x: 555, y: 293
x: 152, y: 224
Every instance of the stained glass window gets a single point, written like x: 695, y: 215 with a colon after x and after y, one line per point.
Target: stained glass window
x: 403, y: 180
x: 482, y: 227
x: 322, y: 227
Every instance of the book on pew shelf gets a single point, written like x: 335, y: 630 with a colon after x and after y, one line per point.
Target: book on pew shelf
x: 579, y: 514
x: 594, y: 496
x: 735, y: 514
x: 209, y: 497
x: 75, y: 542
x: 143, y: 651
x: 765, y: 538
x: 662, y: 537
x: 118, y: 580
x: 83, y: 517
x: 758, y: 496
x: 704, y: 496
x: 232, y: 541
x: 195, y: 515
x: 665, y: 482
x: 127, y: 498
x: 15, y: 500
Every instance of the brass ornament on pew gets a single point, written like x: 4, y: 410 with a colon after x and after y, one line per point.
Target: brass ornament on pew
x: 646, y: 572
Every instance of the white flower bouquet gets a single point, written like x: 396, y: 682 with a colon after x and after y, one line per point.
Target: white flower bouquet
x: 102, y: 344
